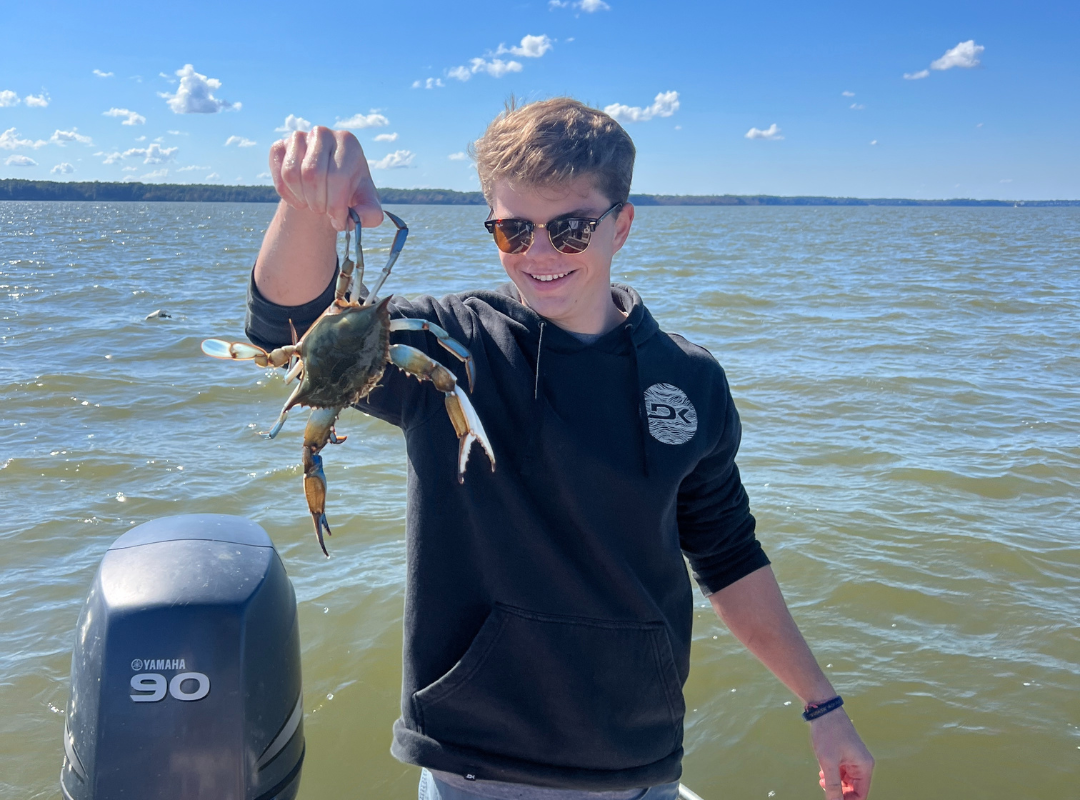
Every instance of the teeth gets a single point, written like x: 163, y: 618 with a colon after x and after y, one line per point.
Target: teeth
x: 546, y: 278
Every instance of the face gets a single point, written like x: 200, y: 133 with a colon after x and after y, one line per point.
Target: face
x: 573, y: 291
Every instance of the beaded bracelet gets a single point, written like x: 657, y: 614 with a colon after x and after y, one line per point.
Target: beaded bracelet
x: 815, y: 710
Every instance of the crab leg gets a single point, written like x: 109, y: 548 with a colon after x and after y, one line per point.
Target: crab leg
x: 319, y: 431
x: 462, y: 414
x: 242, y: 351
x: 452, y: 345
x: 395, y: 250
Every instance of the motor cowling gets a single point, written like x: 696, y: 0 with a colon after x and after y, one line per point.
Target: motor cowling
x: 185, y: 676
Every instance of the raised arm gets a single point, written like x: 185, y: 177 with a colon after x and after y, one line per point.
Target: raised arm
x: 754, y: 610
x: 319, y: 175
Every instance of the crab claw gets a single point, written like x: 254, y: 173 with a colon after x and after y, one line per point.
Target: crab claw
x: 462, y: 414
x: 242, y: 351
x: 219, y: 348
x: 315, y: 491
x: 468, y: 428
x: 318, y: 431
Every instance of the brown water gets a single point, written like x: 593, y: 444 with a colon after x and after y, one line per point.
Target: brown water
x: 908, y: 385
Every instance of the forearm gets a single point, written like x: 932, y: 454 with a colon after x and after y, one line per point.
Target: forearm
x: 754, y: 610
x: 297, y: 257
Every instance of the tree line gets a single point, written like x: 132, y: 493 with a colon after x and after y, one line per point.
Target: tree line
x: 19, y: 189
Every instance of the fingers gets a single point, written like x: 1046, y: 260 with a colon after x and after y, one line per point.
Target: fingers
x: 830, y: 782
x: 366, y: 201
x: 313, y: 168
x: 291, y: 176
x: 325, y: 172
x: 351, y: 185
x: 277, y: 161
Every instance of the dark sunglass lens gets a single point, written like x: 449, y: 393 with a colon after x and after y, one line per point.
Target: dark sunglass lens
x: 570, y: 236
x: 513, y: 236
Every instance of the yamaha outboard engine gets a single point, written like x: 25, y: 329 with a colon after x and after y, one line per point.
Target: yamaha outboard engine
x: 185, y: 680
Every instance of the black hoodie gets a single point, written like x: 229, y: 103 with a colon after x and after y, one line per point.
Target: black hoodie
x: 548, y: 608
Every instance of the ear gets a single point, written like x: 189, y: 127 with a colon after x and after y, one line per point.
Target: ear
x: 623, y: 222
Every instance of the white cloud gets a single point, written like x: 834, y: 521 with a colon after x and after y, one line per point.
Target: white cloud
x: 195, y: 95
x: 62, y: 169
x: 154, y: 154
x: 63, y: 137
x: 40, y: 101
x: 101, y: 74
x: 848, y: 94
x: 395, y: 160
x: 430, y: 83
x: 9, y: 140
x: 211, y: 176
x: 357, y: 121
x: 131, y: 117
x: 458, y: 156
x: 294, y: 123
x: 530, y: 47
x: 858, y: 106
x: 140, y: 138
x: 1006, y: 180
x: 665, y: 104
x: 169, y: 78
x: 262, y: 176
x: 965, y: 55
x: 20, y: 161
x: 191, y: 168
x: 157, y: 174
x: 240, y: 141
x: 978, y: 125
x: 176, y: 133
x: 496, y: 68
x: 588, y: 6
x: 8, y: 98
x: 110, y: 158
x: 772, y: 133
x: 386, y: 137
x: 129, y: 169
x: 874, y: 141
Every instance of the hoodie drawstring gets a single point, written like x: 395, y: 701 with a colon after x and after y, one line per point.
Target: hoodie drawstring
x: 639, y: 395
x: 539, y: 349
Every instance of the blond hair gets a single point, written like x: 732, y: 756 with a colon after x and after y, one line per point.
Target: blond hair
x: 552, y: 142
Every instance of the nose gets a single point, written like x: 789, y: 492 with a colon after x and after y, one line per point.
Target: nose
x: 541, y: 246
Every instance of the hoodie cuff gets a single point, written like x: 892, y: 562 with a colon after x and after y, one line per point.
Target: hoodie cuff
x: 267, y: 323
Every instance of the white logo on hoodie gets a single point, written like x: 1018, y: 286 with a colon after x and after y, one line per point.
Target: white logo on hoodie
x: 672, y: 417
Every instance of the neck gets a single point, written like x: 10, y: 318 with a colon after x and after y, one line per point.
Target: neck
x: 604, y: 319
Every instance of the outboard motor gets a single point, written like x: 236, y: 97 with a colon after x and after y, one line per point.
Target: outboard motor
x: 185, y: 680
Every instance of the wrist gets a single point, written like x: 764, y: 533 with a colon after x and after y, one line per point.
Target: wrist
x: 814, y: 711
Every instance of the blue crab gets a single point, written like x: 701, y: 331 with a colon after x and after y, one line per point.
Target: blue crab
x: 340, y: 359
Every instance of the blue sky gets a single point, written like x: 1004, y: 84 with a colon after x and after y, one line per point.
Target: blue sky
x: 107, y: 90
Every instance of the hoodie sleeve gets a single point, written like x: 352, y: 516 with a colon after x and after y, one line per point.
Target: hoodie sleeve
x: 396, y: 400
x: 716, y: 528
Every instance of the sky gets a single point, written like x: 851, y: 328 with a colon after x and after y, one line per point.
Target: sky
x: 917, y: 99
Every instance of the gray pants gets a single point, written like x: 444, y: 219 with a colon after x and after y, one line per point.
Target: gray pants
x: 431, y: 788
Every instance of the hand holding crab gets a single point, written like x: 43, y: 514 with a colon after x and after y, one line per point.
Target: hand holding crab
x: 340, y: 359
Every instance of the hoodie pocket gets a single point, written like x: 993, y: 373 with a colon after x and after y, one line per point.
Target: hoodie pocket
x: 559, y: 690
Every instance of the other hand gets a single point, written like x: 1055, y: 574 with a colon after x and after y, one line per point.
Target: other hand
x: 325, y: 171
x: 846, y: 764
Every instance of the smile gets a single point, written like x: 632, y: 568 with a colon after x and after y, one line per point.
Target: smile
x: 548, y: 278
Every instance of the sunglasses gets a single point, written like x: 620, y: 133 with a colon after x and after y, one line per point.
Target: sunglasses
x: 568, y: 235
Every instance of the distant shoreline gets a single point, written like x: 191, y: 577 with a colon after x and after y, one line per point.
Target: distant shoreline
x: 19, y: 189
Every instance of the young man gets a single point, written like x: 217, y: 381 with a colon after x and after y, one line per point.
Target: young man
x: 548, y: 609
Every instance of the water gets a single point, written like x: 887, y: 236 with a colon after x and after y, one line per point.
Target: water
x: 907, y: 379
